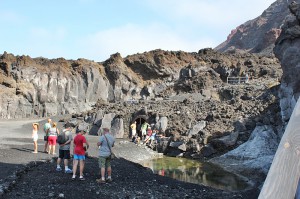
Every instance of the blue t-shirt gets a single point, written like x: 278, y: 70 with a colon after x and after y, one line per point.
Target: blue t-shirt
x: 104, y: 149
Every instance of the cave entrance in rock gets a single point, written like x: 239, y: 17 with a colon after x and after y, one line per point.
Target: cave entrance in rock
x: 139, y: 121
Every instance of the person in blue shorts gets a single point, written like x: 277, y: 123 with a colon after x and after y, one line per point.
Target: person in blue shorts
x: 80, y: 147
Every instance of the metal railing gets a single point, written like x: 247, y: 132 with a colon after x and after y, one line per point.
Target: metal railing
x: 237, y: 80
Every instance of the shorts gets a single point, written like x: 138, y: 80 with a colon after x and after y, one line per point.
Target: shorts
x: 35, y: 137
x: 104, y: 162
x: 133, y: 132
x: 78, y: 157
x: 52, y: 140
x: 64, y: 154
x: 144, y: 132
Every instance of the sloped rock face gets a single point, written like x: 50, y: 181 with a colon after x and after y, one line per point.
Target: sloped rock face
x: 48, y: 87
x: 41, y: 87
x: 287, y: 50
x: 258, y: 35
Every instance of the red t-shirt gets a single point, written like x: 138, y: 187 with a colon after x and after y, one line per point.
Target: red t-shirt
x: 78, y: 142
x: 149, y: 132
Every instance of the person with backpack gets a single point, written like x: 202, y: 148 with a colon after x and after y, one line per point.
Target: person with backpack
x: 80, y: 148
x: 64, y: 140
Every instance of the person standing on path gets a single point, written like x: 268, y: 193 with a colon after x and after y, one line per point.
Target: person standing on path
x: 80, y: 148
x: 144, y: 130
x: 52, y: 137
x: 106, y: 142
x: 47, y: 126
x: 133, y: 129
x: 35, y: 137
x: 64, y: 149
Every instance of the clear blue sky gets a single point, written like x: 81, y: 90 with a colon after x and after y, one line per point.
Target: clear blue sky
x: 95, y: 29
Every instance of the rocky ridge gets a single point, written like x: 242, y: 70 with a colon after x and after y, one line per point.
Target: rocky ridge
x: 258, y: 35
x: 41, y: 87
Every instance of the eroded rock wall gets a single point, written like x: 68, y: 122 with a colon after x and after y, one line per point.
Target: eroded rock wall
x: 287, y: 50
x: 41, y: 87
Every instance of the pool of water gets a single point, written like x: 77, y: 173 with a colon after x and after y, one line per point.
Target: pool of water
x: 196, y: 172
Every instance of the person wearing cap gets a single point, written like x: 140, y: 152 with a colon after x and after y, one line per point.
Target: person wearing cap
x: 64, y: 149
x: 80, y: 147
x: 106, y: 142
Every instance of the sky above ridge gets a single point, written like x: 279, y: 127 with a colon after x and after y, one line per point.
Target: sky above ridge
x: 95, y: 29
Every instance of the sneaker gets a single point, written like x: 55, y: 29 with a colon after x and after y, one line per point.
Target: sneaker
x: 100, y: 181
x: 73, y: 177
x: 108, y: 180
x: 58, y: 169
x: 68, y: 171
x: 82, y: 178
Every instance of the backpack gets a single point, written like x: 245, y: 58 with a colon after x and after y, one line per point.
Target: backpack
x: 61, y: 138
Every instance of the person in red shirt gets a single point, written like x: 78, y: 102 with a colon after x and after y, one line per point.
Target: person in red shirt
x: 80, y: 147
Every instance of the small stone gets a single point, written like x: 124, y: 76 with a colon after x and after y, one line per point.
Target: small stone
x: 61, y: 195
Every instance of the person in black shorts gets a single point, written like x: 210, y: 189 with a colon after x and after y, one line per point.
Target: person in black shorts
x: 64, y: 149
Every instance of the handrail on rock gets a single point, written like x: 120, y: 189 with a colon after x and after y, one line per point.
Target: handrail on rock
x: 283, y: 176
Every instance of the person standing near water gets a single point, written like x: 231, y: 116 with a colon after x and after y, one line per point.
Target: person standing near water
x: 35, y: 137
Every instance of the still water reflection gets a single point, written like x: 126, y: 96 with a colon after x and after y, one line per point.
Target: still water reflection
x: 196, y: 172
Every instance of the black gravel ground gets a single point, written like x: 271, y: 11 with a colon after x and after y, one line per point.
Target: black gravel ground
x: 39, y: 179
x: 26, y: 175
x: 129, y: 181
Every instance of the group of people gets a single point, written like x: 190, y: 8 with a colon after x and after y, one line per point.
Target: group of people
x: 80, y: 147
x: 148, y: 136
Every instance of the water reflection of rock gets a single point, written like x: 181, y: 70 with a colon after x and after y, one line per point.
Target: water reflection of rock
x: 197, y: 173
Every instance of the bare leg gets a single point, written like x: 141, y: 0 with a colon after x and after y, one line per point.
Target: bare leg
x: 103, y: 173
x: 58, y: 161
x: 75, y: 163
x: 53, y: 149
x: 50, y: 149
x: 46, y: 146
x: 66, y: 162
x: 108, y: 171
x: 81, y: 167
x: 35, y: 146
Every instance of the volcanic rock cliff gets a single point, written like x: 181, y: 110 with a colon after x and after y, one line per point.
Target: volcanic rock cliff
x: 287, y: 50
x: 42, y: 87
x: 258, y: 35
